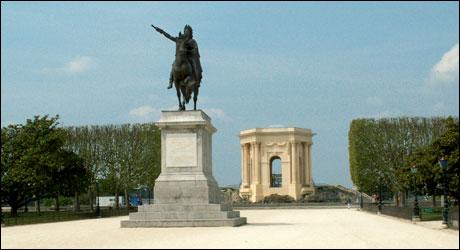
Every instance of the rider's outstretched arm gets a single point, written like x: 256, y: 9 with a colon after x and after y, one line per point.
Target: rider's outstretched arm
x: 165, y: 34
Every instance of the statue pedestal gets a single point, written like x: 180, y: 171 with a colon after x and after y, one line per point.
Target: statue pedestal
x: 185, y: 194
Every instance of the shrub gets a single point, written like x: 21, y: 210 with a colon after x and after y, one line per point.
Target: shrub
x: 276, y: 198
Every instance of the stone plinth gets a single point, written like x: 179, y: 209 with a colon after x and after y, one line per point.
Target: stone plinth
x: 186, y: 193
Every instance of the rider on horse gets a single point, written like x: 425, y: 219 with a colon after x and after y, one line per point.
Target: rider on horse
x: 186, y: 41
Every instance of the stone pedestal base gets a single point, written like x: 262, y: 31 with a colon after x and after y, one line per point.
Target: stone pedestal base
x: 181, y: 215
x: 186, y: 194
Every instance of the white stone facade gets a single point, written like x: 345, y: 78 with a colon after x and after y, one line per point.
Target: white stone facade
x: 259, y: 146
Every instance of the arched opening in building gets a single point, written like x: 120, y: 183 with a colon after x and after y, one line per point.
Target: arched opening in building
x: 276, y: 177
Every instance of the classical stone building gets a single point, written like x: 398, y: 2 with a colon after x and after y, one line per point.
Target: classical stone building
x: 276, y: 161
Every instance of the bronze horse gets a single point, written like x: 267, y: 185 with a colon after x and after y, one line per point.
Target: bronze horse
x: 186, y: 69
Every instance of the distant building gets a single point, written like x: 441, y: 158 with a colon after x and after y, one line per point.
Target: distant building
x: 276, y: 161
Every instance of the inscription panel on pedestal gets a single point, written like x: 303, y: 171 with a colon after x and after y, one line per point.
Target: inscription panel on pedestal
x: 181, y: 150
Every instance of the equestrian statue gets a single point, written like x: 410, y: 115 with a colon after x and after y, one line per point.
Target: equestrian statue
x: 186, y: 72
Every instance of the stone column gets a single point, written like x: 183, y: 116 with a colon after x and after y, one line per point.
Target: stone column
x: 301, y: 164
x: 247, y: 165
x: 309, y: 165
x: 305, y: 163
x: 253, y: 165
x: 243, y: 165
x: 294, y: 163
x: 289, y: 149
x: 257, y: 162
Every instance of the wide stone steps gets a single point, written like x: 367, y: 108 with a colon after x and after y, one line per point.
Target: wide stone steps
x: 233, y: 222
x: 184, y: 207
x: 183, y: 215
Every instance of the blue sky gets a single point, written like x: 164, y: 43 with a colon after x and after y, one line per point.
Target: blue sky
x: 314, y: 65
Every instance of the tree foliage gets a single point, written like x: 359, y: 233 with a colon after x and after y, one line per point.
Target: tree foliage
x: 40, y: 159
x: 379, y: 149
x: 429, y: 175
x: 34, y: 162
x: 120, y: 157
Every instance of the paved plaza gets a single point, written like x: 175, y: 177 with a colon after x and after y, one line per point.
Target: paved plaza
x: 266, y: 228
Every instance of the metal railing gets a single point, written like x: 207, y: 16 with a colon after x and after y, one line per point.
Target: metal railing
x: 54, y: 216
x: 405, y: 212
x: 453, y: 217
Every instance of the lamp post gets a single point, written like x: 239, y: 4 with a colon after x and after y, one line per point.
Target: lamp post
x: 416, y: 213
x: 98, y: 208
x: 445, y: 211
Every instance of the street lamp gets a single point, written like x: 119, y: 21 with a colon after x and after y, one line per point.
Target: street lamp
x: 416, y: 214
x: 445, y: 211
x: 98, y: 209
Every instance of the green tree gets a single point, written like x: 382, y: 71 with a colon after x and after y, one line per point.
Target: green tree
x: 379, y: 149
x: 69, y: 178
x: 426, y: 160
x: 447, y: 146
x: 143, y: 156
x: 426, y: 177
x: 84, y: 141
x: 120, y: 158
x: 29, y: 154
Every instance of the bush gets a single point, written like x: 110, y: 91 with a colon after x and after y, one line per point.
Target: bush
x: 276, y: 198
x: 66, y: 201
x: 63, y: 201
x: 47, y: 202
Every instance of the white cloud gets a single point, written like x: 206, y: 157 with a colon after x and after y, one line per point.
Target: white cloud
x: 79, y: 64
x: 373, y: 100
x: 142, y: 111
x: 218, y: 113
x: 446, y: 70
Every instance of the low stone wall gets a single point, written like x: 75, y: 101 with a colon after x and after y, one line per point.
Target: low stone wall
x: 323, y: 194
x: 330, y: 193
x: 294, y: 205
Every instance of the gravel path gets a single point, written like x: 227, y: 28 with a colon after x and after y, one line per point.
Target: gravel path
x: 272, y: 228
